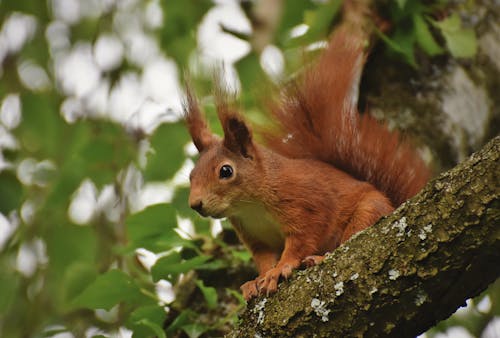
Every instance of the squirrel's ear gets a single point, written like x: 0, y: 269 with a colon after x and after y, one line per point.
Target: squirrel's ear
x: 237, y: 136
x: 196, y: 123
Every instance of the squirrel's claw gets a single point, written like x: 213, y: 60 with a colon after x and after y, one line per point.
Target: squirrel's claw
x: 312, y: 260
x: 269, y: 283
x: 249, y: 289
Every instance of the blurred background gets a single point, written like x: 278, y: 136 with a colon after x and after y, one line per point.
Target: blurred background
x: 96, y: 239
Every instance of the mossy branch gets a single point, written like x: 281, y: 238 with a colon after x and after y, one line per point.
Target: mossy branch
x: 405, y: 273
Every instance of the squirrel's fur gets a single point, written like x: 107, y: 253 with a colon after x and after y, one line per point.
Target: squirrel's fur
x: 330, y: 173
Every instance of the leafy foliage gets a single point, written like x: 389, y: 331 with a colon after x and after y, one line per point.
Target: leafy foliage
x: 461, y: 42
x: 107, y: 290
x: 166, y: 158
x: 414, y: 25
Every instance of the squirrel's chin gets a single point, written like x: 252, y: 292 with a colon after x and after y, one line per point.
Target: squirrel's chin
x: 218, y: 215
x: 212, y: 213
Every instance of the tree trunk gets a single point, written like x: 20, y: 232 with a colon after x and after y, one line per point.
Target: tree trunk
x: 402, y: 275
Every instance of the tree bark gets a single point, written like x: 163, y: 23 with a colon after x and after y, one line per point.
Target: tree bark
x: 451, y: 105
x: 402, y: 275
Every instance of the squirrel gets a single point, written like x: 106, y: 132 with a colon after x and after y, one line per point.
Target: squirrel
x: 328, y: 173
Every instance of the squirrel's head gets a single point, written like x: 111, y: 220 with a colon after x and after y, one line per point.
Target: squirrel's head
x: 223, y: 175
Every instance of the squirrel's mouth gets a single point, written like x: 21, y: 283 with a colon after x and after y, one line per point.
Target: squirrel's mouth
x: 210, y: 210
x: 202, y: 213
x: 215, y: 215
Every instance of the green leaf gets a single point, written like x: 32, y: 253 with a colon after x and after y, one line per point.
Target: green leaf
x: 151, y: 222
x: 76, y: 278
x: 202, y: 225
x: 424, y: 37
x: 29, y: 7
x: 155, y: 328
x: 153, y: 229
x: 209, y: 293
x: 461, y: 42
x: 402, y: 43
x: 147, y: 321
x: 180, y: 202
x: 107, y: 148
x: 41, y: 128
x: 167, y: 153
x: 401, y: 14
x: 108, y: 290
x: 243, y: 255
x: 68, y: 244
x: 10, y: 192
x: 154, y: 313
x: 238, y: 296
x: 37, y: 49
x: 320, y: 21
x: 250, y: 73
x: 184, y: 318
x: 170, y: 266
x: 8, y: 289
x: 216, y: 264
x: 86, y: 29
x: 195, y: 330
x: 165, y: 263
x: 168, y: 240
x: 181, y: 19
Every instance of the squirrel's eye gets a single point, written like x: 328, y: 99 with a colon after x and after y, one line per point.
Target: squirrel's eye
x: 226, y: 171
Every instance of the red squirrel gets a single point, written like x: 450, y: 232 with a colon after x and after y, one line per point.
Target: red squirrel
x: 329, y: 173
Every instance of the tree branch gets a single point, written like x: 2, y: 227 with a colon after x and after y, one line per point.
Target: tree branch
x: 405, y: 273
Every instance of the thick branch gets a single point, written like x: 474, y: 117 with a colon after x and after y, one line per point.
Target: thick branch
x: 399, y: 277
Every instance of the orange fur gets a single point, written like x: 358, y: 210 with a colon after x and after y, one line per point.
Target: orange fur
x: 320, y: 120
x: 328, y: 175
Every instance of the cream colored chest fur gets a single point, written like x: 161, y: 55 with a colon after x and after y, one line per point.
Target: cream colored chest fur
x: 259, y: 225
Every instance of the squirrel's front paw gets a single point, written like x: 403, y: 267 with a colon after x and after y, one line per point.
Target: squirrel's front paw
x: 269, y: 283
x: 249, y: 289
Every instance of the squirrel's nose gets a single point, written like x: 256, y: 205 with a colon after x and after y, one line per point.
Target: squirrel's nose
x: 198, y: 206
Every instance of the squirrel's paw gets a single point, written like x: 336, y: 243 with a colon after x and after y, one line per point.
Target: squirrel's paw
x: 249, y: 289
x: 269, y: 283
x: 312, y: 260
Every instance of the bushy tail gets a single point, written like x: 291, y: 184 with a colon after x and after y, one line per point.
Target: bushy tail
x: 319, y: 119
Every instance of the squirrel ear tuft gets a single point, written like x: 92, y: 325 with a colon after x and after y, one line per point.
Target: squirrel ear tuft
x: 196, y: 123
x: 237, y: 136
